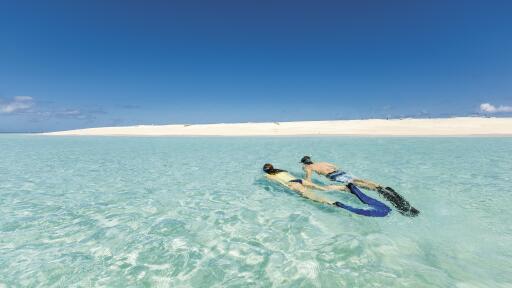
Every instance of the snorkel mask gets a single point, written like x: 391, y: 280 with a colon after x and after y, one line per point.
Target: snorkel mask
x: 267, y: 168
x: 306, y: 160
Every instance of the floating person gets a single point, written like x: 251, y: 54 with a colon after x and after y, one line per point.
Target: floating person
x: 303, y: 188
x: 333, y: 173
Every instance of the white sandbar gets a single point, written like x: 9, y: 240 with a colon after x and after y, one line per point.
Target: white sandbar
x: 461, y: 126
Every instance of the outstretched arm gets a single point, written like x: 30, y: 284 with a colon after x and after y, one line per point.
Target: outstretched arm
x: 308, y: 172
x: 312, y: 185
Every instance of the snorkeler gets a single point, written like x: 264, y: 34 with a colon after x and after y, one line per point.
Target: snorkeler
x: 303, y: 188
x: 332, y: 173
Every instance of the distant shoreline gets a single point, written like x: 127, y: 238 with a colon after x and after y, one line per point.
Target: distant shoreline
x: 459, y: 126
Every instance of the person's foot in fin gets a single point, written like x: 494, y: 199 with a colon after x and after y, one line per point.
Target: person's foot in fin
x: 402, y: 205
x: 406, y: 207
x: 413, y: 212
x: 349, y: 186
x: 339, y: 204
x: 390, y: 196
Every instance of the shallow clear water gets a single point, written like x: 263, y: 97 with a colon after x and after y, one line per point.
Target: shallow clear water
x: 171, y: 212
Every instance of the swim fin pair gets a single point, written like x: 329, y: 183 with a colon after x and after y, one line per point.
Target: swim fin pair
x: 376, y: 208
x: 398, y: 201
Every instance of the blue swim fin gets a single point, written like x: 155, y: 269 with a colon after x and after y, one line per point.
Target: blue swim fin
x: 378, y: 209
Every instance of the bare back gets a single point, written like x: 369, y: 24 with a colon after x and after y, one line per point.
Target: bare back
x: 322, y: 168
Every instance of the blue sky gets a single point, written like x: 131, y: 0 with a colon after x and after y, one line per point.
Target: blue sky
x: 74, y: 64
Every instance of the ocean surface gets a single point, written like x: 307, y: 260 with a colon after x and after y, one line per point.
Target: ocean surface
x: 196, y: 212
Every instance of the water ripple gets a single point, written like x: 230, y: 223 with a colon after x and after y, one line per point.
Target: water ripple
x: 195, y: 212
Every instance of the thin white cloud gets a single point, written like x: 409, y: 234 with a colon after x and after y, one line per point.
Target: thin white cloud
x: 489, y: 108
x: 68, y: 112
x: 23, y: 98
x: 17, y: 104
x: 26, y: 105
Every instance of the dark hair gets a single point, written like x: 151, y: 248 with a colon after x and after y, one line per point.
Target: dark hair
x: 306, y: 160
x: 269, y: 169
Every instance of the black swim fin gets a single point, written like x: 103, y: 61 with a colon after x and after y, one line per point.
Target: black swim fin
x: 398, y: 201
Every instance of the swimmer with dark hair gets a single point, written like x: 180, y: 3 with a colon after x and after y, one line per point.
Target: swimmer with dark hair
x: 335, y: 174
x: 303, y: 187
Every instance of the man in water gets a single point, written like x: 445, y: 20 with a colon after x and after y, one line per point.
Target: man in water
x: 333, y: 173
x: 303, y: 187
x: 330, y: 171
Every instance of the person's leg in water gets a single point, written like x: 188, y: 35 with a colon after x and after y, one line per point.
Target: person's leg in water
x: 345, y: 178
x: 399, y: 202
x: 312, y: 185
x: 366, y: 184
x: 343, y: 188
x: 402, y: 205
x: 302, y: 190
x: 373, y: 203
x: 378, y: 209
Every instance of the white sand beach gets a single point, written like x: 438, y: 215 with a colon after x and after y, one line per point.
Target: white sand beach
x: 461, y: 126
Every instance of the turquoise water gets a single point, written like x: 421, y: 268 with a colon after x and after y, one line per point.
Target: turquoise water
x: 194, y: 212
